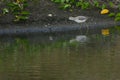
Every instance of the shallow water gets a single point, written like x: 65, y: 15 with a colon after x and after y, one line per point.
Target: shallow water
x: 98, y: 58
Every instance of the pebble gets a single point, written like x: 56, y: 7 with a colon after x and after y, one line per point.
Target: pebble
x: 50, y: 15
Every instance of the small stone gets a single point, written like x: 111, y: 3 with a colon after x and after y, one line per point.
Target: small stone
x: 46, y: 25
x: 50, y: 38
x: 50, y: 15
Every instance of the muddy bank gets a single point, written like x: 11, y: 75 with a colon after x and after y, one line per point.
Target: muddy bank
x: 40, y: 20
x: 39, y: 11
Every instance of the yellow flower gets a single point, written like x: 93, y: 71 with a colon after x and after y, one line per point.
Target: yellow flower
x: 104, y: 11
x: 105, y: 32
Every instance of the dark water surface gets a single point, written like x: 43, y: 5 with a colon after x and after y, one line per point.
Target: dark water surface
x: 98, y: 58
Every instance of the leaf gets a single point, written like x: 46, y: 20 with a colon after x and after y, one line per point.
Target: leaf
x: 96, y: 3
x: 5, y: 10
x: 67, y: 1
x: 111, y: 4
x: 57, y: 1
x: 67, y: 6
x: 18, y: 18
x: 117, y: 15
x: 117, y: 19
x: 62, y: 1
x: 111, y: 15
x: 103, y: 6
x: 25, y: 12
x: 78, y: 4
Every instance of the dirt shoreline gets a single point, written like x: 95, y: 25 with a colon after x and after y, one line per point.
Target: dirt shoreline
x: 39, y: 17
